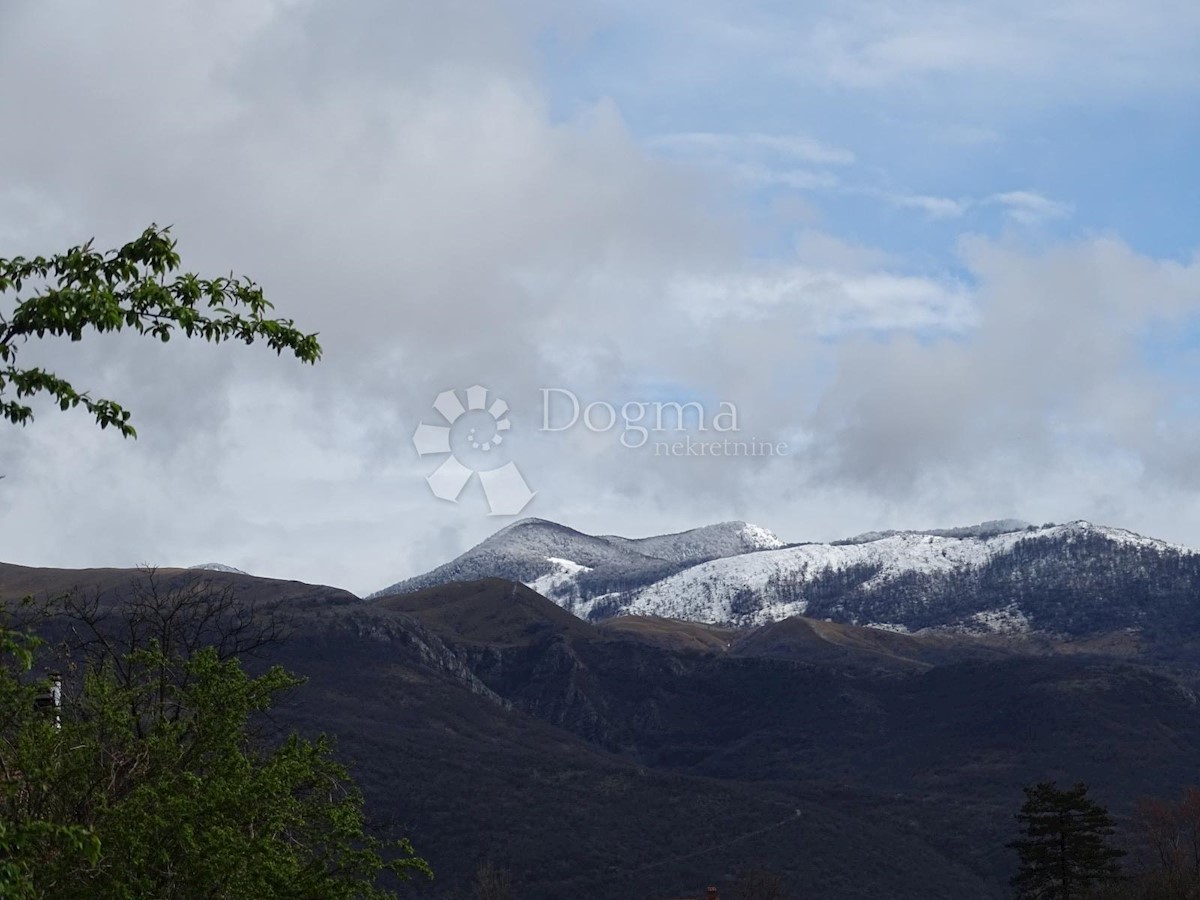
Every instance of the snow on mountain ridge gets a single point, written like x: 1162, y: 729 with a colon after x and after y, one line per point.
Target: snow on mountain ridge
x: 1125, y: 536
x: 984, y: 529
x: 565, y: 571
x: 708, y: 592
x: 217, y: 567
x: 763, y: 538
x: 533, y: 551
x: 997, y: 577
x: 707, y: 542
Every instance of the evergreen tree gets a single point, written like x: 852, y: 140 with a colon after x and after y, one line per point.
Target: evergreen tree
x: 1064, y: 849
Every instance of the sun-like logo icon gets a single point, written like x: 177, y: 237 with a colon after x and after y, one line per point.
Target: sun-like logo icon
x: 472, y: 435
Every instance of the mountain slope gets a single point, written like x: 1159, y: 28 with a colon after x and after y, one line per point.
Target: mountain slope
x: 218, y: 567
x: 491, y: 611
x: 470, y: 774
x: 708, y: 542
x: 1072, y: 579
x: 932, y: 734
x: 647, y: 758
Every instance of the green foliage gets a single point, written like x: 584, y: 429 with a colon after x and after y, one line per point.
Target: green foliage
x: 129, y: 288
x: 19, y: 716
x: 1064, y: 851
x: 155, y: 786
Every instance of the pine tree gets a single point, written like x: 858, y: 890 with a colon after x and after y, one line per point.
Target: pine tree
x: 1065, y: 849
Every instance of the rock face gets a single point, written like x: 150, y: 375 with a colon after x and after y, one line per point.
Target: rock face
x: 999, y: 577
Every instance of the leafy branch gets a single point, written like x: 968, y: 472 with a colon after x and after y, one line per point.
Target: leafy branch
x: 130, y: 288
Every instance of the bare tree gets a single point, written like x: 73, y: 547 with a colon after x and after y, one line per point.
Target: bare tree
x: 181, y: 612
x: 1170, y: 833
x: 146, y: 630
x: 492, y: 883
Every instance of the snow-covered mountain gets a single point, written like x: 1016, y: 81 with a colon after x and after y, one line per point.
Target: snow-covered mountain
x: 982, y: 580
x: 1003, y: 576
x: 983, y: 530
x: 548, y: 556
x: 709, y: 542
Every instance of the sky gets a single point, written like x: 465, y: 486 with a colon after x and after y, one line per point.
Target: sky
x: 941, y: 256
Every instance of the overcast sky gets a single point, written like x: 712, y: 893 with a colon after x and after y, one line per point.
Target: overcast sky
x: 946, y: 252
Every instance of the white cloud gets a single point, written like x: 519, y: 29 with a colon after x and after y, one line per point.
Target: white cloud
x: 828, y: 303
x: 1052, y: 378
x: 397, y: 202
x: 765, y: 161
x: 399, y: 179
x: 759, y: 160
x: 736, y: 146
x: 759, y: 175
x: 1029, y: 207
x: 870, y: 45
x: 934, y: 207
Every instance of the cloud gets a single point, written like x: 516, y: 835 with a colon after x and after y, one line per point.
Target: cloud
x: 797, y: 148
x: 1029, y: 207
x: 1026, y: 208
x: 395, y: 182
x: 759, y: 160
x: 758, y: 175
x: 868, y: 45
x: 1051, y: 381
x: 403, y: 178
x: 786, y: 161
x: 934, y: 207
x: 831, y: 303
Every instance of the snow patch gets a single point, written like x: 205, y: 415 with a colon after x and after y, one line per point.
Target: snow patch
x: 1009, y: 620
x: 760, y: 538
x: 217, y: 567
x: 564, y: 573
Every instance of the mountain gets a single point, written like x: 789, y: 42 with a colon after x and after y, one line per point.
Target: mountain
x: 709, y: 542
x: 642, y: 757
x: 987, y: 529
x: 550, y: 557
x: 1074, y: 579
x: 491, y: 611
x: 1001, y: 577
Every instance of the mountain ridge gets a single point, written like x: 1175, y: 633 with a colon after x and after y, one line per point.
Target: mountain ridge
x: 531, y: 549
x: 998, y: 577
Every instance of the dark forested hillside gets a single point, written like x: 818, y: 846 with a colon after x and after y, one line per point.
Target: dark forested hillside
x: 646, y: 758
